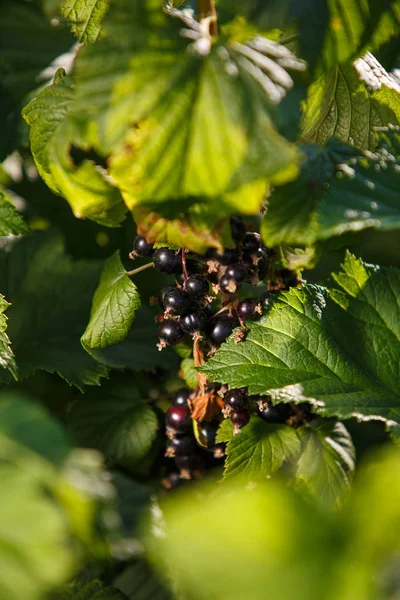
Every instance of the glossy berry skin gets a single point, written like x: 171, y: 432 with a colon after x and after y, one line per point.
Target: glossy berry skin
x: 208, y: 432
x: 220, y: 328
x: 176, y: 301
x: 236, y: 272
x: 246, y: 309
x: 271, y: 414
x: 289, y: 278
x: 167, y: 261
x: 240, y: 419
x: 197, y: 286
x: 193, y: 322
x: 178, y: 418
x: 264, y: 300
x: 262, y: 265
x: 180, y: 446
x: 252, y: 242
x: 170, y: 332
x: 143, y: 248
x: 238, y: 228
x: 192, y: 268
x: 181, y: 397
x: 235, y: 400
x: 227, y: 285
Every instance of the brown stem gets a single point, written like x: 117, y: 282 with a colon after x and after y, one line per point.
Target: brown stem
x: 184, y: 269
x: 142, y: 268
x: 206, y: 8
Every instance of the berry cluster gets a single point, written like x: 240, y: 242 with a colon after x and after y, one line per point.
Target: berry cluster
x: 204, y: 305
x: 182, y: 445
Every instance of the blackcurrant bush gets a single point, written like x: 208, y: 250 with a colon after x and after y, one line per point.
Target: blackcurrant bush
x: 251, y: 242
x: 220, y: 328
x: 197, y: 286
x: 178, y: 417
x: 193, y: 322
x: 228, y: 257
x: 236, y: 272
x: 179, y: 446
x: 289, y: 279
x: 187, y: 464
x: 247, y: 261
x: 239, y: 419
x: 266, y: 297
x: 246, y: 309
x: 262, y: 264
x: 176, y: 301
x: 181, y: 396
x: 170, y: 332
x: 235, y: 401
x: 238, y: 228
x: 192, y: 268
x: 167, y: 261
x: 142, y: 248
x: 227, y: 285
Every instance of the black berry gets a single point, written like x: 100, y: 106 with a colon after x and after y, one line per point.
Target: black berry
x: 289, y: 279
x: 193, y: 322
x: 228, y: 257
x: 271, y: 414
x: 252, y: 242
x: 240, y: 419
x: 167, y: 261
x: 181, y: 396
x: 227, y: 285
x: 142, y: 248
x: 238, y: 228
x: 197, y: 286
x: 236, y: 272
x: 178, y: 418
x: 179, y: 446
x: 170, y: 332
x: 220, y: 328
x: 192, y: 267
x: 262, y: 264
x: 265, y: 298
x: 208, y: 432
x: 176, y: 301
x: 246, y: 309
x: 235, y: 400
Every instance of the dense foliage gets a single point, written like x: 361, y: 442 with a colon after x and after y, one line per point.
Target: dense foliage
x: 199, y: 299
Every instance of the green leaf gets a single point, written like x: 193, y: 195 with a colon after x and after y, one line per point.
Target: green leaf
x: 50, y: 296
x: 259, y: 450
x: 52, y: 134
x: 139, y: 582
x: 226, y: 147
x: 327, y: 461
x: 28, y: 424
x: 189, y: 372
x: 349, y: 102
x: 339, y: 191
x: 338, y: 349
x: 115, y: 420
x: 28, y: 45
x: 114, y: 306
x: 88, y: 590
x: 85, y: 17
x: 7, y: 360
x: 10, y: 220
x: 35, y: 552
x: 133, y: 499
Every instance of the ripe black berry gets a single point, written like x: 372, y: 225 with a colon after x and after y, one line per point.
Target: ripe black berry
x: 246, y: 309
x: 265, y: 298
x: 235, y: 401
x: 178, y: 418
x: 167, y: 261
x: 179, y: 446
x: 187, y: 464
x: 208, y: 432
x: 262, y: 264
x: 197, y: 286
x: 271, y: 414
x: 170, y: 332
x: 192, y: 268
x: 176, y: 301
x: 181, y: 396
x: 220, y: 328
x: 227, y: 285
x: 193, y: 322
x: 289, y: 279
x: 228, y: 257
x: 142, y: 248
x: 251, y: 242
x: 238, y: 228
x: 239, y: 419
x: 236, y: 272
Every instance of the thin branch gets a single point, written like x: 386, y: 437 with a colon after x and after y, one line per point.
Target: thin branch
x: 289, y: 38
x: 142, y: 268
